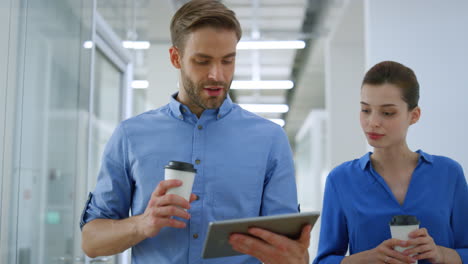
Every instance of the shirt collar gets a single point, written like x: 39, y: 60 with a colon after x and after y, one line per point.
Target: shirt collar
x: 423, y: 156
x: 364, y: 161
x: 177, y: 108
x: 225, y: 108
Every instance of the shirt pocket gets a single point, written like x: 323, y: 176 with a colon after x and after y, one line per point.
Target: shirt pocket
x: 236, y: 192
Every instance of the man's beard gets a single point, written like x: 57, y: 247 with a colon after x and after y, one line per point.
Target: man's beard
x: 195, y: 91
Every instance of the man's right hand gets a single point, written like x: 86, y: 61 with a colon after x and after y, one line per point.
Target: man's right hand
x: 105, y: 237
x: 161, y: 208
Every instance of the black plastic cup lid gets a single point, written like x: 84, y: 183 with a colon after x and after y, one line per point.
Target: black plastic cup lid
x: 398, y: 220
x: 179, y: 165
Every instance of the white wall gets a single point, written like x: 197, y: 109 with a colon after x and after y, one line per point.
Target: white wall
x: 310, y: 166
x: 162, y: 76
x: 344, y: 68
x: 429, y: 36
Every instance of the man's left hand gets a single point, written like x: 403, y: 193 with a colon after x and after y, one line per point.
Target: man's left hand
x: 271, y: 248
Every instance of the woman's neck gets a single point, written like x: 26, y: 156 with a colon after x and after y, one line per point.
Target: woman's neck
x: 394, y: 157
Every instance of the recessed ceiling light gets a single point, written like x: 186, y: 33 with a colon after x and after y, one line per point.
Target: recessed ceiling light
x: 284, y: 44
x: 278, y: 121
x: 274, y: 84
x: 88, y: 44
x: 136, y: 44
x: 140, y: 84
x: 265, y: 108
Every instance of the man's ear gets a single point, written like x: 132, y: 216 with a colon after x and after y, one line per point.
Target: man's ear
x: 415, y: 115
x: 175, y: 57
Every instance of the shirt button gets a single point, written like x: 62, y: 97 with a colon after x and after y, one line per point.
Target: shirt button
x: 197, y: 161
x: 181, y: 117
x: 183, y: 110
x: 195, y: 235
x: 219, y: 116
x: 200, y: 127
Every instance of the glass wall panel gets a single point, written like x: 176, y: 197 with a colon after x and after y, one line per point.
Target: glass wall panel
x: 49, y: 132
x: 8, y: 25
x: 108, y: 83
x: 139, y: 101
x: 39, y: 211
x: 5, y: 10
x: 4, y: 31
x: 54, y: 124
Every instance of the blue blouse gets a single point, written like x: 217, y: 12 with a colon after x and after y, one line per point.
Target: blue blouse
x: 358, y: 206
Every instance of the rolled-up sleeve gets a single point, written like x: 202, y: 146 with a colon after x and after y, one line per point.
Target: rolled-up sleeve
x: 333, y: 242
x: 460, y: 216
x: 111, y: 198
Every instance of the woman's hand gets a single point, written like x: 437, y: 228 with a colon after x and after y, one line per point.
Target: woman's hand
x: 424, y: 247
x: 383, y: 253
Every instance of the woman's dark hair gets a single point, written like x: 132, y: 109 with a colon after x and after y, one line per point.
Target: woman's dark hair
x: 397, y: 74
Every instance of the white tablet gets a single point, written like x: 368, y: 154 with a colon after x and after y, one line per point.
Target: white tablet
x: 217, y: 239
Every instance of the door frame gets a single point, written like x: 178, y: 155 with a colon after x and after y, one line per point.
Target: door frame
x: 110, y: 44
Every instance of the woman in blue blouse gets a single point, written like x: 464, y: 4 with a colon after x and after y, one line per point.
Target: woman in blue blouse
x: 362, y: 195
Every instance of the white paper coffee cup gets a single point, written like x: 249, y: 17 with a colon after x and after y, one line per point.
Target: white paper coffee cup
x: 184, y: 172
x: 401, y: 226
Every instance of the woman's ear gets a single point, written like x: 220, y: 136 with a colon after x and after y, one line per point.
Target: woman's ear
x: 175, y: 57
x: 415, y: 115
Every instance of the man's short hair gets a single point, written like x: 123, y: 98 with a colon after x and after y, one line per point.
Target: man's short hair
x: 202, y: 13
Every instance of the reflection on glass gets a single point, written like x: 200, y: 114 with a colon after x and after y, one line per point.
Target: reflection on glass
x: 39, y: 209
x: 139, y: 101
x: 48, y: 108
x: 106, y: 108
x: 47, y: 127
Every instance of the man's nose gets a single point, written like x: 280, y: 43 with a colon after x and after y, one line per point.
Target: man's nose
x: 215, y: 73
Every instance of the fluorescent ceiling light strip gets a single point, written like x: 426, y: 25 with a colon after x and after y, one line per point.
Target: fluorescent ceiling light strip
x: 278, y: 121
x: 279, y: 84
x: 266, y: 108
x: 136, y: 44
x: 283, y: 44
x: 140, y: 84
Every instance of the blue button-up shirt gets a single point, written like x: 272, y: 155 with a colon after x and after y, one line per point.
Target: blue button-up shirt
x: 244, y: 169
x: 358, y: 206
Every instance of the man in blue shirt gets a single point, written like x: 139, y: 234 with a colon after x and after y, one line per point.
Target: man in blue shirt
x: 244, y: 163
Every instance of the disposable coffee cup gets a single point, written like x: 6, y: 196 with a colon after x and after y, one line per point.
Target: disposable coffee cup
x: 401, y: 226
x: 183, y: 171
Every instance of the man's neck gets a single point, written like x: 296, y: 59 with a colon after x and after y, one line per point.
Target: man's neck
x: 195, y: 109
